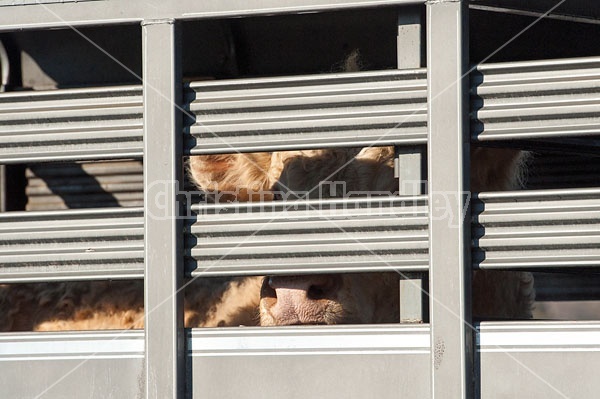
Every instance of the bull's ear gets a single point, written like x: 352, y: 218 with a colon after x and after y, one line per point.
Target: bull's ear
x: 232, y: 177
x: 497, y: 168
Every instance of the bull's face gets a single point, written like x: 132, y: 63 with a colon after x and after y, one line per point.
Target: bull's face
x: 329, y: 299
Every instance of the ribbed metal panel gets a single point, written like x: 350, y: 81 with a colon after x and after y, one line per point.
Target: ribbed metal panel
x: 95, y: 184
x: 90, y: 123
x: 101, y: 365
x: 539, y: 99
x: 547, y: 228
x: 312, y: 362
x: 67, y: 245
x: 375, y: 234
x: 317, y: 111
x: 538, y: 360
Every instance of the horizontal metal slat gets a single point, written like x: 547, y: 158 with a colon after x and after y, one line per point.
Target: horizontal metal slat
x: 72, y: 245
x: 537, y: 229
x: 540, y: 359
x: 4, y: 3
x: 36, y: 16
x: 109, y: 362
x: 537, y: 99
x: 358, y: 234
x: 309, y: 340
x: 73, y: 124
x: 346, y: 110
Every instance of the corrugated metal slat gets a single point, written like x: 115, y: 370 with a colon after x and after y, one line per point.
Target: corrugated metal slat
x: 377, y: 234
x: 74, y: 244
x: 317, y: 111
x: 537, y: 229
x: 536, y: 99
x: 74, y: 124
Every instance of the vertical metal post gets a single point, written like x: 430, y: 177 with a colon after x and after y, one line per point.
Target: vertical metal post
x: 162, y: 230
x: 3, y: 188
x: 409, y: 38
x: 450, y: 266
x: 410, y: 169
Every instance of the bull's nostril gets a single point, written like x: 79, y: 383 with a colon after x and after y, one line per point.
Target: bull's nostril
x: 267, y: 290
x: 323, y: 288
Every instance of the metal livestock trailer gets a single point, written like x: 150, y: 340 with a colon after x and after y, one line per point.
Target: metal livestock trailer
x: 419, y: 93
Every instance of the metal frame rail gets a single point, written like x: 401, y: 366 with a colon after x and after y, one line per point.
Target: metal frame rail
x: 448, y: 153
x: 435, y: 360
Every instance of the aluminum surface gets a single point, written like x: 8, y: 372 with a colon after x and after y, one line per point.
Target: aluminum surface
x: 411, y: 171
x: 299, y: 362
x: 410, y: 164
x: 100, y: 365
x: 315, y: 111
x: 537, y: 229
x: 448, y: 166
x: 536, y: 99
x: 540, y: 359
x: 5, y: 3
x: 74, y: 124
x: 74, y: 244
x: 114, y: 11
x: 377, y: 234
x: 163, y: 301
